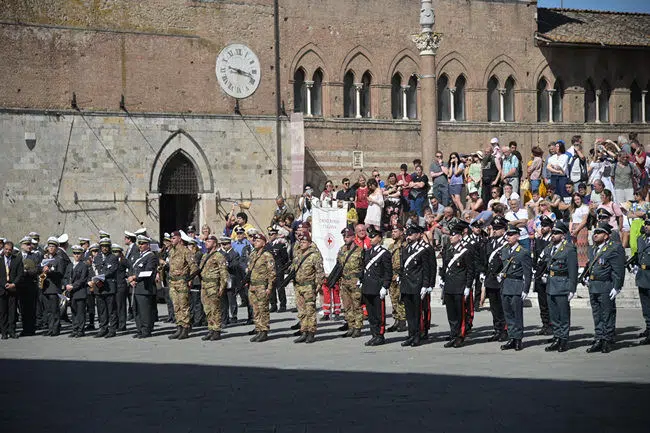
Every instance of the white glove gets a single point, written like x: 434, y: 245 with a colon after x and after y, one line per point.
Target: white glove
x: 571, y: 296
x: 466, y: 292
x: 382, y: 293
x: 423, y: 292
x: 358, y: 283
x: 544, y: 279
x: 397, y: 279
x: 499, y: 278
x: 635, y: 269
x: 612, y: 294
x: 429, y: 289
x: 524, y: 295
x: 482, y: 277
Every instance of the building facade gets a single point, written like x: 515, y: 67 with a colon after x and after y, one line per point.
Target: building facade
x: 112, y: 116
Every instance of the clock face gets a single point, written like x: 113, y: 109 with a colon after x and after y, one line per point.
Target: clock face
x: 238, y: 71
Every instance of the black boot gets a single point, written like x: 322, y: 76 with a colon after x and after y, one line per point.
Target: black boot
x: 298, y: 333
x: 607, y: 347
x: 252, y: 331
x: 554, y: 345
x: 393, y: 328
x: 110, y: 334
x: 301, y: 339
x: 256, y: 337
x: 345, y: 327
x: 494, y: 337
x: 546, y: 330
x: 401, y: 326
x: 509, y: 345
x: 282, y: 309
x: 185, y: 333
x: 564, y: 346
x: 459, y: 342
x: 207, y: 336
x: 176, y: 334
x: 503, y: 336
x: 296, y: 326
x: 262, y: 336
x: 416, y: 340
x: 407, y: 342
x: 379, y: 341
x: 644, y: 342
x: 347, y: 334
x: 370, y: 342
x: 596, y: 347
x: 644, y: 334
x: 273, y: 308
x: 311, y: 337
x: 101, y: 334
x: 356, y: 333
x: 519, y: 345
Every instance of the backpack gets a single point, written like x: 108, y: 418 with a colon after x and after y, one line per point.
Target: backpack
x: 584, y: 175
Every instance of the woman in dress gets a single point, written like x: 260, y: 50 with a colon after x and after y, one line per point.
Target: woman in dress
x: 361, y: 199
x: 375, y: 205
x: 557, y: 167
x: 474, y: 173
x: 456, y: 179
x: 392, y: 201
x: 328, y: 195
x: 578, y: 227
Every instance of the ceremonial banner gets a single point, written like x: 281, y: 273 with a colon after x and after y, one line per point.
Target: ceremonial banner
x: 327, y: 224
x: 297, y: 136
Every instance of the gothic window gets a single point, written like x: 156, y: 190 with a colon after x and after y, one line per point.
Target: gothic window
x: 590, y: 102
x: 459, y: 98
x: 299, y: 104
x: 556, y: 101
x: 366, y: 81
x: 542, y: 100
x: 412, y: 98
x: 603, y: 102
x: 349, y: 95
x: 443, y: 98
x: 317, y: 93
x: 635, y: 102
x: 493, y: 99
x: 509, y: 100
x: 396, y: 96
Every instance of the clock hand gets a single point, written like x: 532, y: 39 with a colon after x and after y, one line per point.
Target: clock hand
x: 238, y: 71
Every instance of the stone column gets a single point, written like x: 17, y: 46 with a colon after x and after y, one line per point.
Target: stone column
x: 452, y: 104
x: 357, y: 95
x: 427, y: 43
x: 598, y: 93
x: 308, y: 86
x: 405, y: 113
x: 502, y: 108
x: 644, y: 94
x: 550, y: 105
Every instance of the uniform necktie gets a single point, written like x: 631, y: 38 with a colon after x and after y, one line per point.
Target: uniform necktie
x: 7, y: 264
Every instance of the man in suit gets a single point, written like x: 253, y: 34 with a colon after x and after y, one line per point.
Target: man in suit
x: 229, y: 301
x: 493, y: 266
x: 457, y: 275
x: 90, y: 259
x: 28, y: 287
x: 11, y: 273
x: 515, y: 283
x: 606, y: 274
x: 376, y: 278
x: 414, y: 283
x: 107, y: 265
x: 54, y: 267
x: 131, y: 253
x: 77, y: 290
x: 539, y: 270
x: 143, y: 282
x: 122, y: 293
x: 562, y: 281
x: 278, y: 247
x: 643, y: 277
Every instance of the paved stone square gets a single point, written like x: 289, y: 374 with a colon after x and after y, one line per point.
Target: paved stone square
x: 335, y: 385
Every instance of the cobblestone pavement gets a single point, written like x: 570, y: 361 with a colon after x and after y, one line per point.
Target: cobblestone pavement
x: 335, y: 385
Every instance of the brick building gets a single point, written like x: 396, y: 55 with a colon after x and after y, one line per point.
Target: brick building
x: 151, y: 139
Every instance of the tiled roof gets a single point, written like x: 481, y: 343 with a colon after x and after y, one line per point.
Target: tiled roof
x: 593, y: 27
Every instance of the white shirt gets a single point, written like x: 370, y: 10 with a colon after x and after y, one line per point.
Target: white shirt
x: 505, y: 200
x: 521, y: 214
x: 579, y: 214
x: 561, y: 161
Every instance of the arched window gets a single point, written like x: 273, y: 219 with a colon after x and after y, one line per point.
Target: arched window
x: 299, y: 104
x: 366, y: 81
x: 317, y: 93
x: 396, y: 96
x: 590, y: 102
x: 412, y: 98
x: 556, y: 100
x: 635, y: 102
x: 443, y: 98
x: 493, y: 99
x: 603, y: 102
x: 542, y: 100
x: 509, y: 100
x: 459, y: 98
x: 349, y: 95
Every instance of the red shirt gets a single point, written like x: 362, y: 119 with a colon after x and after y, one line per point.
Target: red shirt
x: 407, y: 180
x: 362, y: 198
x: 365, y: 244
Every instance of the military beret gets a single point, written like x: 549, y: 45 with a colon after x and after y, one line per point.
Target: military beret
x: 105, y: 242
x: 53, y: 240
x: 77, y: 249
x: 347, y: 232
x: 305, y: 236
x: 545, y: 221
x: 142, y: 239
x: 373, y: 232
x: 116, y: 247
x: 258, y: 236
x: 512, y: 230
x: 560, y: 227
x: 93, y: 247
x: 26, y: 240
x: 212, y: 237
x: 176, y: 233
x: 603, y: 227
x: 304, y: 225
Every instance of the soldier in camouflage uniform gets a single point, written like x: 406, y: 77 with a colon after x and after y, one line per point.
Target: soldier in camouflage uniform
x: 399, y: 314
x: 181, y: 266
x: 350, y: 256
x: 261, y: 274
x: 308, y: 266
x: 214, y: 278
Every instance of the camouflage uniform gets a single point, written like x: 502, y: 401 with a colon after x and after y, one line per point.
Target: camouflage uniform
x: 350, y: 292
x: 214, y: 278
x: 181, y: 265
x: 308, y: 279
x: 261, y: 267
x: 399, y: 313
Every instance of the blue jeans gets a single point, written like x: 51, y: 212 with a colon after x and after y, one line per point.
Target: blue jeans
x: 441, y: 192
x: 417, y: 205
x: 525, y: 243
x: 559, y: 182
x: 534, y: 185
